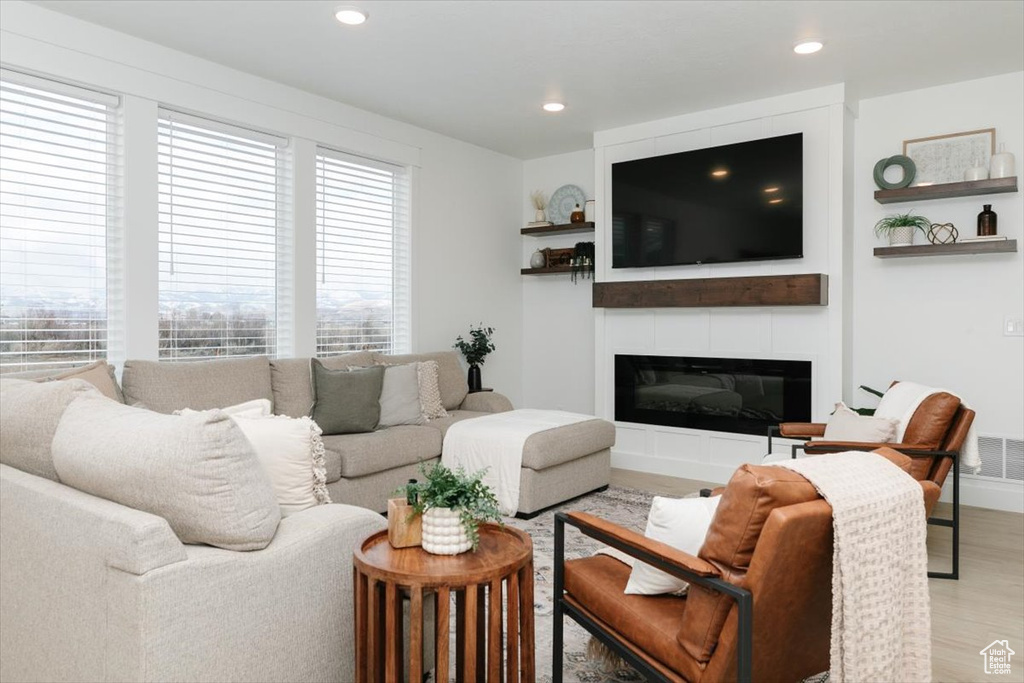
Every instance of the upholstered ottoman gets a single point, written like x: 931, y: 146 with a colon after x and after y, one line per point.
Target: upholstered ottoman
x: 533, y: 459
x: 565, y: 462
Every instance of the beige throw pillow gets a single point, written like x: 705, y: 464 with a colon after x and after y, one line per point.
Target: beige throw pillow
x: 29, y: 415
x: 430, y: 392
x: 100, y: 374
x: 197, y: 471
x: 848, y: 425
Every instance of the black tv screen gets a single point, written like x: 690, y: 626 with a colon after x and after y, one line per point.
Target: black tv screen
x: 741, y: 202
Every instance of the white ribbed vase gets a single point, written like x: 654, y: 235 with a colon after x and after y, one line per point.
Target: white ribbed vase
x: 443, y: 533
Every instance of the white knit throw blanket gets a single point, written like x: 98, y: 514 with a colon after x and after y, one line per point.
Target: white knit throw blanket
x: 881, y: 622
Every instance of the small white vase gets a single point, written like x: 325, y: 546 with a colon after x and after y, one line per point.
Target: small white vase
x: 443, y: 533
x: 538, y: 260
x: 1002, y: 165
x: 538, y: 216
x: 902, y: 236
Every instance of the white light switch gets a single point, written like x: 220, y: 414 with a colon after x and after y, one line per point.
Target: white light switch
x: 1013, y: 327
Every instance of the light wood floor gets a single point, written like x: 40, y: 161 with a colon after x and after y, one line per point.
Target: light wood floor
x: 986, y: 604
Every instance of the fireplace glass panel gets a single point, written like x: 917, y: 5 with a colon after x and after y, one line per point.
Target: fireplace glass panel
x: 739, y: 395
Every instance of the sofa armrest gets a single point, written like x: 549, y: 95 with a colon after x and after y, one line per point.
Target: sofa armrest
x: 293, y: 598
x: 486, y: 402
x: 801, y: 430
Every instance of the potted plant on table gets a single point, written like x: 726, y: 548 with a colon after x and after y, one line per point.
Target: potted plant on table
x: 900, y: 228
x: 453, y: 505
x: 475, y: 350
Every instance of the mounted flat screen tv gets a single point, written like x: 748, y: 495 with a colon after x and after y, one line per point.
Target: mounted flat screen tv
x: 741, y: 202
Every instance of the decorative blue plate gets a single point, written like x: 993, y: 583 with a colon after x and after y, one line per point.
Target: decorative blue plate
x: 563, y: 203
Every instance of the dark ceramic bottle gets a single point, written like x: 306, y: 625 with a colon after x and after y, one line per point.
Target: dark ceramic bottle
x: 987, y: 222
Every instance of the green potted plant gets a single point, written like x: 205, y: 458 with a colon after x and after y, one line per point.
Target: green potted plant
x: 900, y: 228
x: 453, y: 505
x: 475, y: 351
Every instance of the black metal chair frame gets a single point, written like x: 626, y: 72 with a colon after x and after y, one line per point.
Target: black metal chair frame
x: 953, y: 523
x: 744, y: 601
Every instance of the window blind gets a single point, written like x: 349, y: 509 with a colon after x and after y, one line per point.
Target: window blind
x: 59, y: 219
x: 362, y: 255
x: 222, y: 216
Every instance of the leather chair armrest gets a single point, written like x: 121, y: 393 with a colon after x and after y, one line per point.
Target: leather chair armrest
x: 909, y: 449
x: 801, y: 430
x: 636, y: 545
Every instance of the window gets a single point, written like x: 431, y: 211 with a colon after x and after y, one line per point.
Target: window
x: 221, y: 224
x: 59, y: 212
x: 362, y: 255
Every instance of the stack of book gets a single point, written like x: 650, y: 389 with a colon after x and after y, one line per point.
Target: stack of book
x: 538, y: 224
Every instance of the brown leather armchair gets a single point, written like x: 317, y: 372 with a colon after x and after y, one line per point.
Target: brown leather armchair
x: 933, y: 438
x: 768, y: 552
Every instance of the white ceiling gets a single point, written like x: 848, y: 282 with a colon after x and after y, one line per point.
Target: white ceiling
x: 479, y: 71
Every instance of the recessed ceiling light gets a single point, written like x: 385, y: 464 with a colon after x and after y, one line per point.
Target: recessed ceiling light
x: 350, y: 16
x: 553, y: 106
x: 720, y: 172
x: 775, y: 201
x: 770, y: 190
x: 808, y: 47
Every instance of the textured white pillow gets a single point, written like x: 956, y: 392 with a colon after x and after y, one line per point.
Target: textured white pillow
x: 430, y: 392
x: 292, y: 454
x: 400, y: 396
x: 681, y: 523
x: 848, y: 425
x: 258, y: 407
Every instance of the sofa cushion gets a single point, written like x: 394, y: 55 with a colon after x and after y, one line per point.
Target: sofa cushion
x: 443, y: 423
x: 28, y: 420
x: 357, y: 455
x: 197, y: 471
x: 201, y: 385
x: 99, y: 374
x: 292, y: 384
x: 599, y: 583
x: 451, y: 378
x: 569, y: 442
x: 347, y: 401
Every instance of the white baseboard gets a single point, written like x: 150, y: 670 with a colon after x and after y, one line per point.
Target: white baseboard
x: 976, y: 492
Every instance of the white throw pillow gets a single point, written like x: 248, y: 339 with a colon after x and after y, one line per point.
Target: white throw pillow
x: 681, y: 523
x: 848, y: 425
x: 289, y: 449
x: 400, y: 396
x: 292, y: 454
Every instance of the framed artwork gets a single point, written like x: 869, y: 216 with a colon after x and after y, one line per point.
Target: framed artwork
x: 944, y: 158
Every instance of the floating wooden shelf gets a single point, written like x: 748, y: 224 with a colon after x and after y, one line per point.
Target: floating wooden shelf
x: 994, y: 247
x: 564, y: 229
x: 762, y: 290
x: 969, y: 188
x: 553, y: 270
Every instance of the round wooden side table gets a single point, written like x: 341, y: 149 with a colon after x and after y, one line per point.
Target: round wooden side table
x: 504, y: 556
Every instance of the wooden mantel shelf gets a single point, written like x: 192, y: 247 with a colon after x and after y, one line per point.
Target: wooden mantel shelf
x: 968, y: 188
x: 761, y: 290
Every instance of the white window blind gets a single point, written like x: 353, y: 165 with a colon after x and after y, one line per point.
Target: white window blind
x: 59, y: 219
x: 222, y: 221
x: 362, y: 255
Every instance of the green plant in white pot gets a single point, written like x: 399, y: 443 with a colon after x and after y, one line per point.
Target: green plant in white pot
x: 454, y: 504
x: 900, y: 228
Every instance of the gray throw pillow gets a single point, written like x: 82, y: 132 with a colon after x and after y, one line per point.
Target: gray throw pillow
x: 346, y: 401
x: 400, y: 396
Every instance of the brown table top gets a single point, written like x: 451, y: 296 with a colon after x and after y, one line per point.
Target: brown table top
x: 502, y: 550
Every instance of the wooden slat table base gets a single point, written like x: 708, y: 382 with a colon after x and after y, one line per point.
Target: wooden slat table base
x: 489, y: 644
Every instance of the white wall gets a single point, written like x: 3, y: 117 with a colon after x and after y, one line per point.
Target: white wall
x: 466, y: 200
x: 558, y: 320
x: 938, y: 320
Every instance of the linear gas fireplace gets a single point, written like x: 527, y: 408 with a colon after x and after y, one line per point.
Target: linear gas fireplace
x: 740, y: 395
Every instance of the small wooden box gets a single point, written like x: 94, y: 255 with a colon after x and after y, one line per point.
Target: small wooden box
x: 405, y: 530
